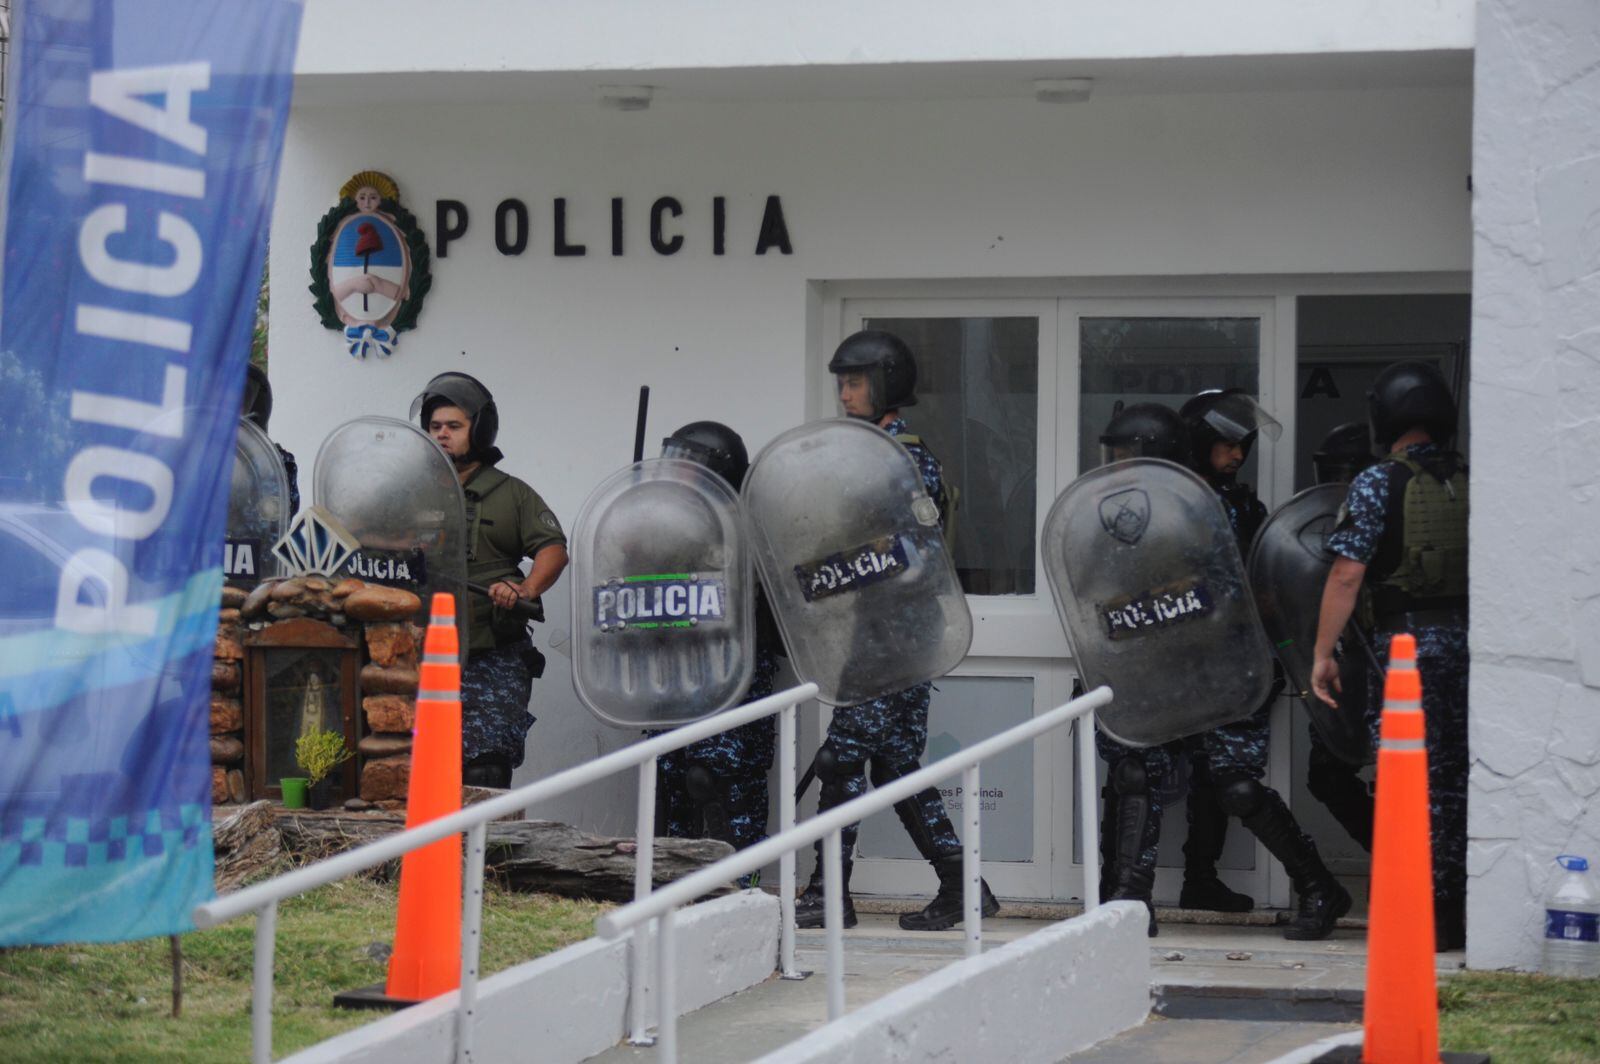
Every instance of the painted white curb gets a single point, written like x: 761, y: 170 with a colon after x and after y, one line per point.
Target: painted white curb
x: 1307, y: 1054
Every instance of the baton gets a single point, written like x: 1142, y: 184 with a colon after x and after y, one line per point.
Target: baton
x: 638, y: 431
x: 523, y: 608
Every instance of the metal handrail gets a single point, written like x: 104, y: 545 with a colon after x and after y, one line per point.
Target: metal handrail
x: 662, y: 904
x: 263, y: 898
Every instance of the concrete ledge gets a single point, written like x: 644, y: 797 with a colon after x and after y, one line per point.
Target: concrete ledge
x: 724, y: 946
x: 573, y: 1004
x: 1210, y: 1001
x: 1039, y: 998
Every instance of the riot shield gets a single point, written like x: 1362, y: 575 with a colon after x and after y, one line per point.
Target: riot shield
x: 1151, y: 591
x: 663, y: 597
x: 848, y: 546
x: 392, y: 488
x: 1289, y: 565
x: 258, y: 508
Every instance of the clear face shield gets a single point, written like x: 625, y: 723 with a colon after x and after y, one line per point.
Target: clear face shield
x: 1121, y: 448
x: 1239, y: 419
x: 684, y: 450
x: 454, y: 391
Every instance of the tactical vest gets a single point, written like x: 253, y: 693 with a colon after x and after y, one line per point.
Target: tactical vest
x: 952, y: 495
x: 1431, y: 568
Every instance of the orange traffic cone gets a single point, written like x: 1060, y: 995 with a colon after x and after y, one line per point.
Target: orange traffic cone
x: 1402, y: 1004
x: 426, y: 961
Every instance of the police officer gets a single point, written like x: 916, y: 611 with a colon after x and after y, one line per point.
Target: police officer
x: 507, y: 522
x: 1130, y: 831
x: 1403, y: 535
x: 1344, y: 452
x: 256, y: 407
x: 717, y: 787
x: 877, y: 376
x: 1232, y: 759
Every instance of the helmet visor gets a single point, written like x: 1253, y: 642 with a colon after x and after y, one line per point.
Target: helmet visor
x: 453, y: 389
x: 687, y: 450
x: 1237, y: 418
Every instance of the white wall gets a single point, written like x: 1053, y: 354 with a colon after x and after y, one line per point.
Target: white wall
x: 1333, y: 182
x: 644, y: 35
x: 1536, y: 407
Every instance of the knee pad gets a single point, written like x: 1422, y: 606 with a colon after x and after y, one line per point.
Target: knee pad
x: 1241, y: 796
x: 831, y: 768
x: 700, y: 783
x: 1128, y: 777
x: 884, y: 773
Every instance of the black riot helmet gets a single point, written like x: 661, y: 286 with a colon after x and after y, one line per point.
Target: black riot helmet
x: 1145, y: 430
x: 888, y: 365
x: 459, y: 389
x: 256, y: 403
x: 1344, y: 452
x: 713, y: 445
x: 1410, y: 395
x: 1224, y: 416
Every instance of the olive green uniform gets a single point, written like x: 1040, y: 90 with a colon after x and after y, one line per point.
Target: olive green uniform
x: 507, y: 521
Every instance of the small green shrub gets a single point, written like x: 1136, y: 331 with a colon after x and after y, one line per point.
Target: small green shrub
x: 319, y: 752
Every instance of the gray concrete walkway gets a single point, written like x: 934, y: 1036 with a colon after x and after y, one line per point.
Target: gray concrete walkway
x: 1238, y: 993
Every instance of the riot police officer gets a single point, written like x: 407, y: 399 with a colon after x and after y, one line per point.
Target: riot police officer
x: 1344, y: 452
x: 507, y: 522
x: 1130, y: 831
x: 1223, y: 427
x: 256, y: 407
x: 717, y: 787
x: 1403, y: 536
x: 877, y: 376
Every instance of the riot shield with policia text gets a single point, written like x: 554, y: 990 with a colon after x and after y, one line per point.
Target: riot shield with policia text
x: 391, y: 487
x: 1288, y: 568
x: 258, y: 508
x: 663, y: 599
x: 857, y: 572
x: 1150, y: 588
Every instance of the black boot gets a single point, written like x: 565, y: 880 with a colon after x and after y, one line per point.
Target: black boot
x: 1208, y: 830
x: 490, y: 770
x: 1322, y: 899
x: 1134, y: 881
x: 810, y: 909
x: 1108, y: 842
x: 1338, y: 787
x: 946, y: 908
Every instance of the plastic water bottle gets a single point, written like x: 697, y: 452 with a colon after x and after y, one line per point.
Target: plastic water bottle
x: 1572, y: 922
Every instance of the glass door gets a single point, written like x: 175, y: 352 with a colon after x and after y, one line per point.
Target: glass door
x: 986, y: 409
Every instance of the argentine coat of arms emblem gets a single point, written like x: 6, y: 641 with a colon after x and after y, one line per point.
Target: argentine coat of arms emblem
x: 370, y: 266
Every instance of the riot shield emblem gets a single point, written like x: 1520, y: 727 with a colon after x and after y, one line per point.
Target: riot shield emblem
x: 396, y: 492
x: 1289, y: 565
x: 1126, y: 514
x: 258, y: 508
x: 848, y: 546
x: 663, y: 600
x: 1150, y: 588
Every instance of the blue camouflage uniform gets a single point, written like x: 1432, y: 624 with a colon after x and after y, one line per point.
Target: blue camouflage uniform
x: 1361, y: 535
x: 891, y: 732
x: 739, y: 760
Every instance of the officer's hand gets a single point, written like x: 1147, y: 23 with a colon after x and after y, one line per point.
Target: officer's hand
x: 505, y: 594
x: 1325, y: 682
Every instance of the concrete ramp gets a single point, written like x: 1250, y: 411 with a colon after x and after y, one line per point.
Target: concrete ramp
x: 1038, y: 998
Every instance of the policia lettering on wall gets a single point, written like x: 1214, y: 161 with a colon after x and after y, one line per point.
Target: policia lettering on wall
x: 514, y: 227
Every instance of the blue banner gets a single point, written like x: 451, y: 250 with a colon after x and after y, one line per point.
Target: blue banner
x: 142, y: 140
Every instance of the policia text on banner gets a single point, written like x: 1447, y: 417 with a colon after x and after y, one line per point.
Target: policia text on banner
x: 128, y: 95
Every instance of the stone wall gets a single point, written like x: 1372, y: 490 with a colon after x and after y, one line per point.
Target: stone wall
x: 378, y: 618
x: 1535, y: 696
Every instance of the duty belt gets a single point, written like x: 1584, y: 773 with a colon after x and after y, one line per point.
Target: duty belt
x: 1414, y: 619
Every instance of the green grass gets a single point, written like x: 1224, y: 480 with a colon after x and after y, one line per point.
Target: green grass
x: 1521, y: 1019
x: 114, y: 1002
